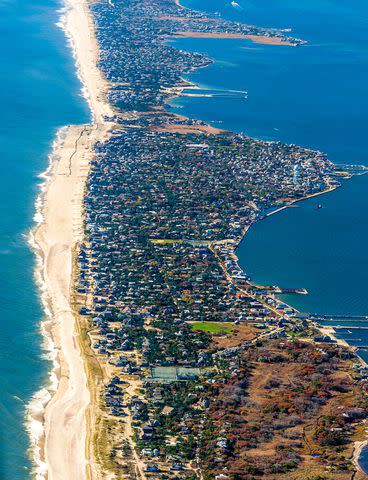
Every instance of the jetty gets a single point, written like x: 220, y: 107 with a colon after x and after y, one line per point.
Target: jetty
x: 298, y: 291
x: 314, y: 316
x: 348, y: 327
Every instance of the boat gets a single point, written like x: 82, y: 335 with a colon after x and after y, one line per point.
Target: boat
x: 236, y: 6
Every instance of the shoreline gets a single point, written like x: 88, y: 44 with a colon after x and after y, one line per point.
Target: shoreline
x: 54, y: 240
x: 326, y: 330
x: 359, y: 446
x: 61, y: 405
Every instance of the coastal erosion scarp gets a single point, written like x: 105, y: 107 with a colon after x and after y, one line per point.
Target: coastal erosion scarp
x: 57, y: 413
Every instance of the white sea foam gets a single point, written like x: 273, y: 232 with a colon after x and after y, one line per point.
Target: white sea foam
x: 63, y: 25
x: 36, y: 408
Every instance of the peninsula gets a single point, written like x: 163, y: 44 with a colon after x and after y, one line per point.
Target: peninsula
x: 171, y: 363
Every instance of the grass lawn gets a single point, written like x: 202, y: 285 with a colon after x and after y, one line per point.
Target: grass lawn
x: 213, y: 327
x: 164, y: 241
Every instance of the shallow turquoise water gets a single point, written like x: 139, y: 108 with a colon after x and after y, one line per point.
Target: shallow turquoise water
x: 39, y: 92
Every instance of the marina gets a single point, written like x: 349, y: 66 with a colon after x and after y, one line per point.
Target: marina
x: 167, y: 257
x: 342, y: 317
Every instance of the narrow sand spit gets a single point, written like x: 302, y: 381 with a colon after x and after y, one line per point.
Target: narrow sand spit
x: 63, y: 446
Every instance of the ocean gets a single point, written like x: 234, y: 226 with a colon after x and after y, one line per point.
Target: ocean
x: 39, y: 92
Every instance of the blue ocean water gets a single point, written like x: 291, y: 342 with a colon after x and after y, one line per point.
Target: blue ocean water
x: 39, y: 92
x: 315, y: 96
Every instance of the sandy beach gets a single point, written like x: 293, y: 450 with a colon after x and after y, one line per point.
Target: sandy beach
x: 62, y: 447
x: 358, y: 448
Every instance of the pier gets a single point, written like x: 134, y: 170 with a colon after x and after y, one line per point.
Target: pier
x: 347, y: 327
x: 297, y: 291
x: 280, y: 290
x: 357, y: 320
x: 313, y: 316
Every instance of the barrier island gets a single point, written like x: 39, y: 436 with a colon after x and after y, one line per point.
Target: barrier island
x: 172, y: 364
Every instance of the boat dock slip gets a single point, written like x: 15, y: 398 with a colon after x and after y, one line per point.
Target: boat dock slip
x: 355, y: 320
x: 299, y: 291
x: 347, y: 327
x: 336, y: 317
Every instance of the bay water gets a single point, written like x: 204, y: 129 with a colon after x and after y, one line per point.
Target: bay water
x: 315, y: 96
